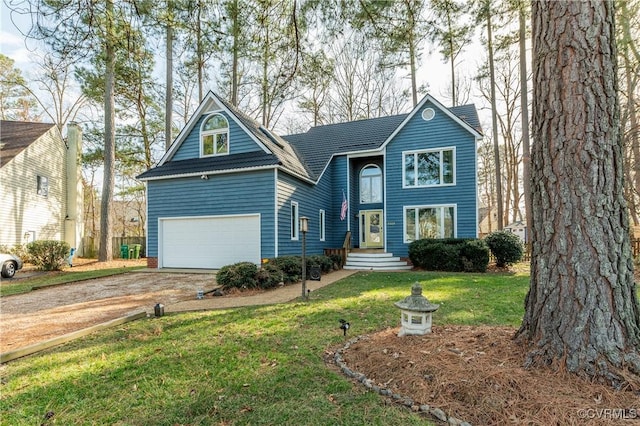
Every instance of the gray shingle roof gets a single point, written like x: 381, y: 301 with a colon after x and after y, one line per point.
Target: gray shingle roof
x: 303, y: 154
x: 321, y: 142
x: 15, y: 136
x: 214, y: 164
x: 277, y: 145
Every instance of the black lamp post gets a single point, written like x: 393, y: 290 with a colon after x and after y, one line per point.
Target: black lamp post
x: 304, y: 227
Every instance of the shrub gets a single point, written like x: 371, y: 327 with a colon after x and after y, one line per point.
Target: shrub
x: 506, y: 247
x: 336, y: 260
x: 48, y: 255
x: 238, y: 275
x: 269, y: 276
x: 449, y: 254
x: 474, y: 255
x: 324, y: 262
x: 291, y: 267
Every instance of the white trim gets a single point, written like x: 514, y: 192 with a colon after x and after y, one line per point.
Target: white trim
x: 321, y: 219
x: 295, y: 221
x: 428, y: 206
x: 421, y: 151
x: 214, y: 133
x: 276, y: 216
x: 384, y: 192
x: 360, y: 184
x: 210, y: 173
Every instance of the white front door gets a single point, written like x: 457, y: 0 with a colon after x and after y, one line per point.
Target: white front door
x: 371, y: 229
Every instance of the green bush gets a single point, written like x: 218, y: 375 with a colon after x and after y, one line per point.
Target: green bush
x: 474, y: 255
x: 336, y: 260
x: 506, y: 247
x: 449, y: 254
x: 290, y: 266
x: 48, y: 255
x: 239, y: 275
x: 269, y: 276
x: 324, y: 262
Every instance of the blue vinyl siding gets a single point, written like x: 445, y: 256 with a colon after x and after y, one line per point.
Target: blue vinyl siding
x: 239, y: 141
x: 418, y: 134
x: 229, y: 194
x: 311, y: 199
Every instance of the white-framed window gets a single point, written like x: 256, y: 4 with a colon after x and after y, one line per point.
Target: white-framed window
x: 322, y: 225
x: 428, y: 114
x: 429, y: 222
x: 214, y: 136
x: 295, y: 221
x: 370, y: 184
x: 42, y: 186
x: 435, y: 167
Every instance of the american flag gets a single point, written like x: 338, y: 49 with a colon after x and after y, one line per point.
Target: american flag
x: 345, y: 205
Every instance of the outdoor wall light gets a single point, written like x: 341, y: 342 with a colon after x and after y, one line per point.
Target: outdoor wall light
x: 204, y: 177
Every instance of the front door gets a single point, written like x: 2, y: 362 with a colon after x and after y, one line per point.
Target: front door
x: 371, y: 230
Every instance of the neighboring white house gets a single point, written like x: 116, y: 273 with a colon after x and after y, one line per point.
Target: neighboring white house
x: 40, y: 183
x: 520, y: 229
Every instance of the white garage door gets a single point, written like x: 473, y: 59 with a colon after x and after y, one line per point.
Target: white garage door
x: 209, y: 242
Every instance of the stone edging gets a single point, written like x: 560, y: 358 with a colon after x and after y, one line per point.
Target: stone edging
x: 405, y: 401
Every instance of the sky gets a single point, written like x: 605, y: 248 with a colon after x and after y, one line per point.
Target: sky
x: 433, y: 70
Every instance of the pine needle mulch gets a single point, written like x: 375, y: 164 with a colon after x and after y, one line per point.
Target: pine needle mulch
x: 476, y: 374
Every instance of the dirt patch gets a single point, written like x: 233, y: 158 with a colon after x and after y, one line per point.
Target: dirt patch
x: 53, y: 311
x: 476, y: 374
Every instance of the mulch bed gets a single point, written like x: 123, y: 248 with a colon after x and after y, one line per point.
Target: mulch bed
x: 476, y: 373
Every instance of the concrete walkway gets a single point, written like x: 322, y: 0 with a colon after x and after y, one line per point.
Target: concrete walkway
x: 269, y: 297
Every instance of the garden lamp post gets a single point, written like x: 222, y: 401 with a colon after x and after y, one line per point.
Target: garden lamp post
x: 304, y: 227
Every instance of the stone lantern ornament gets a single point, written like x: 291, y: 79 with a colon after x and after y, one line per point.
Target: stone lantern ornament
x: 416, y: 312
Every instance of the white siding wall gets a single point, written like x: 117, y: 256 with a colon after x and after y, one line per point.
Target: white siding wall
x: 22, y: 210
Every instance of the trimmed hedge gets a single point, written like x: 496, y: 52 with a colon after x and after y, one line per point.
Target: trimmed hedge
x: 450, y: 254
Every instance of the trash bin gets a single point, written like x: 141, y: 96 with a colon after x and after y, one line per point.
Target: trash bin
x: 124, y: 251
x: 136, y: 251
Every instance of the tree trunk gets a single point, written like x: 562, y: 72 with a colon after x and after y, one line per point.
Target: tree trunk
x: 524, y: 107
x: 234, y: 67
x: 494, y: 120
x: 581, y: 312
x: 105, y: 253
x: 168, y: 105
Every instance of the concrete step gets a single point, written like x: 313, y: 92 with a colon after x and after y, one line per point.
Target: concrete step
x: 401, y: 267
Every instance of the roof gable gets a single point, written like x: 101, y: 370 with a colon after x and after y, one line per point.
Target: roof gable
x: 271, y: 144
x: 15, y: 136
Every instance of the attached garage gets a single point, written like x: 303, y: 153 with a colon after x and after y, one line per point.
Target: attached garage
x: 208, y: 242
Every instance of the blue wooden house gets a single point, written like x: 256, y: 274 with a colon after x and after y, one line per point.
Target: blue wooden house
x: 230, y: 190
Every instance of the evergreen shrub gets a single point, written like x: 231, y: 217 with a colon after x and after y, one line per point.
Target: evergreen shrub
x: 48, y: 255
x: 506, y: 246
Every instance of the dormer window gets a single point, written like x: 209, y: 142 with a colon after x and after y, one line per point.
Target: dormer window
x: 214, y: 136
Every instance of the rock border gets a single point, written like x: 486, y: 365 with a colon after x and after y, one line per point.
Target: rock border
x: 400, y: 399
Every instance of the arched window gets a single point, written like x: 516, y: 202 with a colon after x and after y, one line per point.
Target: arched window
x: 371, y: 184
x: 214, y: 136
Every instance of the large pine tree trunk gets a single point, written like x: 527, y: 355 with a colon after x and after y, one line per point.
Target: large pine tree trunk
x: 581, y: 310
x: 105, y: 252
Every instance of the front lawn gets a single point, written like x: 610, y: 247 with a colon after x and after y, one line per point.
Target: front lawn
x: 254, y: 365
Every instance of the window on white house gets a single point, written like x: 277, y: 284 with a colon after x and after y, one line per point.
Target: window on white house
x: 42, y: 186
x: 295, y: 221
x: 322, y: 228
x: 371, y: 184
x: 429, y: 168
x: 429, y: 222
x: 214, y: 136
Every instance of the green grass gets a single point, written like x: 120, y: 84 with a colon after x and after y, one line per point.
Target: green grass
x: 249, y: 366
x: 25, y: 285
